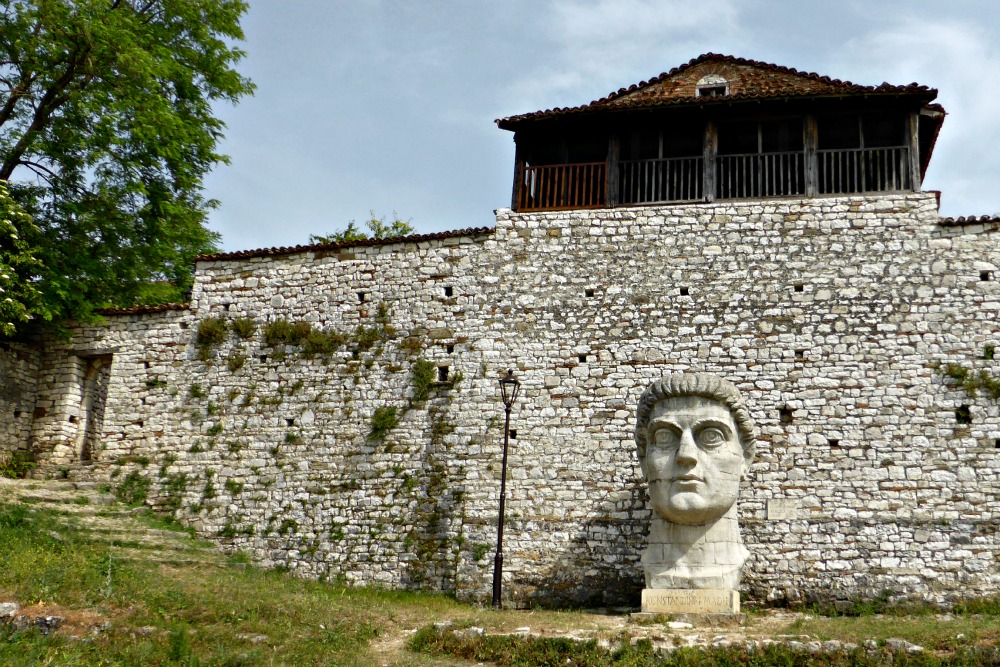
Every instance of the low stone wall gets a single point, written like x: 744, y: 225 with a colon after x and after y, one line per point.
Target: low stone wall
x: 19, y: 365
x: 361, y: 439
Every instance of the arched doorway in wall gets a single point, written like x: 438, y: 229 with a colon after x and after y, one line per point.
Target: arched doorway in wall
x: 93, y: 397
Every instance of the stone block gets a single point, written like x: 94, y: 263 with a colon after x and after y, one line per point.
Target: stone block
x: 690, y: 601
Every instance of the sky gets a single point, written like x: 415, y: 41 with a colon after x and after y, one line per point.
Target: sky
x: 388, y: 105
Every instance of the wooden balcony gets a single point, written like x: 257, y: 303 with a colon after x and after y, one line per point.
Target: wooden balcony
x: 805, y: 173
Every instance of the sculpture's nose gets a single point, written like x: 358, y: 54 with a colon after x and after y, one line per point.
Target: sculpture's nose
x: 687, y: 450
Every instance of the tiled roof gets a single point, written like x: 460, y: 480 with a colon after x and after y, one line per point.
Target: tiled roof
x: 747, y: 80
x: 970, y: 220
x: 144, y: 310
x: 414, y: 238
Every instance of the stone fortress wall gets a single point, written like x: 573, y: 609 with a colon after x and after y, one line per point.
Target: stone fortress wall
x: 841, y: 320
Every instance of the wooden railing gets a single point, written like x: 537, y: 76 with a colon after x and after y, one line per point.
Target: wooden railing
x: 845, y: 171
x: 760, y: 175
x: 744, y: 176
x: 660, y: 180
x: 550, y: 187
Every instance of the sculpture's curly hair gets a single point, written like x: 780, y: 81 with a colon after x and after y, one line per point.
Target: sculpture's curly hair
x: 696, y: 384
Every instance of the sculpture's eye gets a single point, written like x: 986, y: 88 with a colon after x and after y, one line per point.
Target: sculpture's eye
x: 664, y: 438
x: 711, y: 437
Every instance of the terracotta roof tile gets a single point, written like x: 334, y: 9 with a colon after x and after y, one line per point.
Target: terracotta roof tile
x: 747, y: 79
x: 970, y: 220
x: 414, y: 238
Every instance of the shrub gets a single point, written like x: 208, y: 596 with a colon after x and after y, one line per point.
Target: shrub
x: 244, y: 327
x: 422, y: 378
x: 211, y: 333
x: 322, y: 342
x: 133, y: 489
x: 383, y: 420
x: 235, y: 361
x: 15, y: 465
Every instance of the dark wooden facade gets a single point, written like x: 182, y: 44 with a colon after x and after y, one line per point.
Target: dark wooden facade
x: 641, y: 148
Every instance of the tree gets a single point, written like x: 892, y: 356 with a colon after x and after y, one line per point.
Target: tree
x: 19, y: 297
x: 106, y: 132
x: 379, y: 228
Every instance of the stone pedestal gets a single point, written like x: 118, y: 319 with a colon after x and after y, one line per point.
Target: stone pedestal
x: 690, y: 601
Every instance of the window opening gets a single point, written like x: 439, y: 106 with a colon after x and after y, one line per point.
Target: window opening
x: 712, y: 85
x: 785, y: 415
x: 442, y: 373
x: 448, y: 291
x: 963, y: 415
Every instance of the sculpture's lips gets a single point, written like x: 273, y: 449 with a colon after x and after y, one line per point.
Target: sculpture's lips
x: 687, y: 478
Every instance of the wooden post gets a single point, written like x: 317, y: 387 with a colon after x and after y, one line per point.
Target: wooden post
x: 612, y: 171
x: 708, y: 171
x: 914, y: 141
x: 515, y: 195
x: 812, y: 156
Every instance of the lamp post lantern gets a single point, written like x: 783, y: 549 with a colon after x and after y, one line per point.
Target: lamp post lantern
x: 508, y: 391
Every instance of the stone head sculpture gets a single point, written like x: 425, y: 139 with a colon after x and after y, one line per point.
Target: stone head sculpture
x: 695, y: 442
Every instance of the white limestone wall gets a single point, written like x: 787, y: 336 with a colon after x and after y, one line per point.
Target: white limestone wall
x: 835, y: 317
x: 18, y: 383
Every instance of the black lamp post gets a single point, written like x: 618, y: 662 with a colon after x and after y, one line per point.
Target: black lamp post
x: 508, y: 390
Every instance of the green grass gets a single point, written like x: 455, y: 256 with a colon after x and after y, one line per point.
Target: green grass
x: 191, y: 615
x: 236, y: 614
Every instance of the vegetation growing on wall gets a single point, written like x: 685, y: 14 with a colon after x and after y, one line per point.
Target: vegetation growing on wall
x: 971, y: 381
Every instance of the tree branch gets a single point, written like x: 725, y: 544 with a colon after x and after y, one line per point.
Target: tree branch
x: 50, y: 101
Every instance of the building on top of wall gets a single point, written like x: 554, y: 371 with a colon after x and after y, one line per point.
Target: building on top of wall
x: 722, y: 128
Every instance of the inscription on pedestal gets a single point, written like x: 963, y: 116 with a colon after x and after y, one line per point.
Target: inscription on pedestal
x: 782, y: 509
x: 690, y: 601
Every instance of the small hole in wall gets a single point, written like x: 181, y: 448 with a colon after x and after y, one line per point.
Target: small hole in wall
x: 582, y: 358
x: 448, y: 291
x: 362, y: 297
x: 145, y: 364
x: 442, y: 373
x: 785, y: 415
x: 139, y: 423
x: 262, y: 358
x: 685, y: 291
x: 963, y: 415
x: 985, y: 275
x: 589, y: 292
x: 989, y: 352
x: 834, y: 443
x: 184, y: 325
x: 450, y: 349
x: 799, y: 287
x: 73, y: 419
x: 289, y: 422
x: 513, y: 434
x: 18, y: 413
x: 800, y: 354
x: 996, y: 444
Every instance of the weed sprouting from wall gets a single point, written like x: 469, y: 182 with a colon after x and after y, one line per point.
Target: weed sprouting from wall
x: 235, y: 361
x: 971, y: 381
x: 196, y: 391
x: 133, y: 490
x: 384, y: 420
x: 422, y: 379
x: 211, y: 334
x: 244, y: 327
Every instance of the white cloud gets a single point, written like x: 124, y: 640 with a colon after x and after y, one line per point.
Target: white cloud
x: 599, y: 45
x: 958, y: 57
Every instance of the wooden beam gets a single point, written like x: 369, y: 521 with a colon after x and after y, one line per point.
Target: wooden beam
x: 913, y: 132
x: 711, y: 149
x: 518, y: 175
x: 812, y: 164
x: 614, y: 147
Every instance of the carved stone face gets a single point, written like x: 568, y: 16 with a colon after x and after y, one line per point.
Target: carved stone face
x: 694, y: 460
